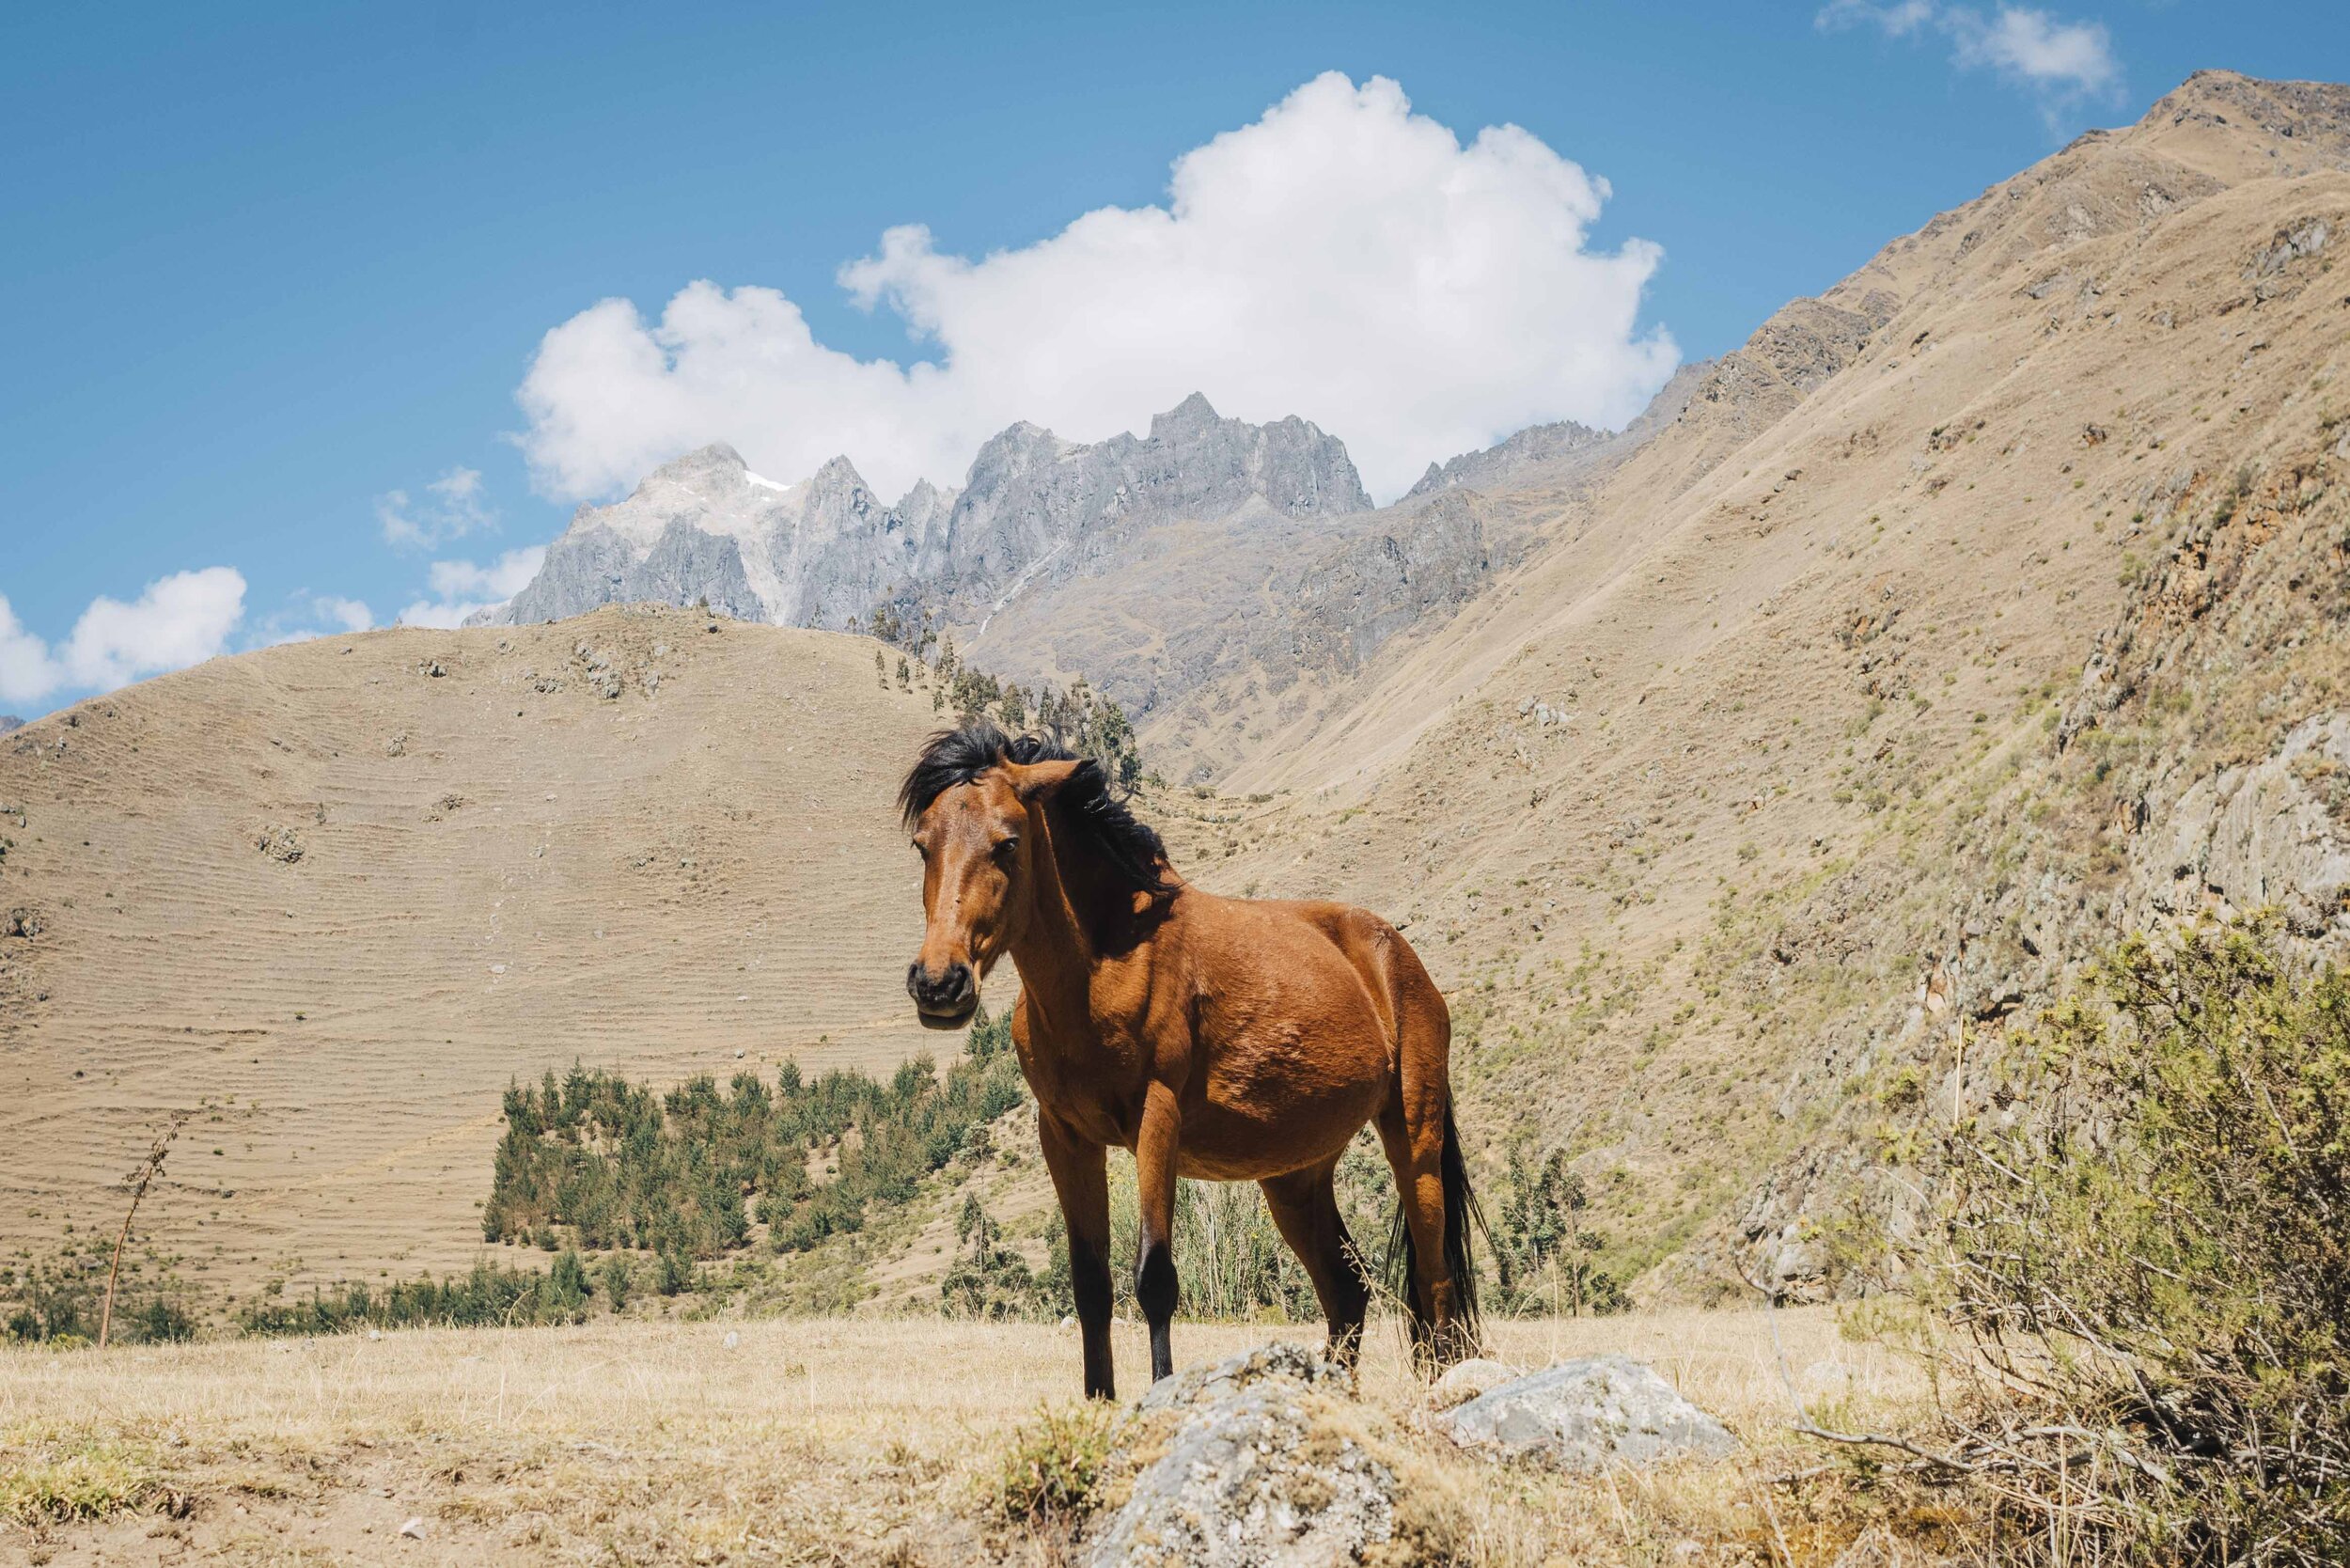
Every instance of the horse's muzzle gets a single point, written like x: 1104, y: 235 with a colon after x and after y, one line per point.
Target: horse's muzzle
x: 944, y: 998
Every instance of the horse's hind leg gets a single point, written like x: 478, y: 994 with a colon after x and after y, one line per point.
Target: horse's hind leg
x: 1414, y: 1128
x: 1305, y: 1207
x: 1156, y: 1286
x: 1419, y: 1190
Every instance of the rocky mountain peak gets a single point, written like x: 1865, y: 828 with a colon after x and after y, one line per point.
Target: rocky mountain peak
x: 2309, y: 113
x: 1530, y: 448
x: 1193, y: 415
x: 715, y: 459
x: 9, y: 722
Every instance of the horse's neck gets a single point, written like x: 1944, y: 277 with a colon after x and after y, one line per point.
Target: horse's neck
x: 1058, y: 949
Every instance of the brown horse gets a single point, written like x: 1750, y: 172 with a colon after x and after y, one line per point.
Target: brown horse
x: 1230, y: 1038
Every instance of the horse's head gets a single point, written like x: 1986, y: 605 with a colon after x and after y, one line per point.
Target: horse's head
x: 976, y: 840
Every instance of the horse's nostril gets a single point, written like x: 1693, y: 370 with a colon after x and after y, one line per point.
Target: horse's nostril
x: 949, y: 987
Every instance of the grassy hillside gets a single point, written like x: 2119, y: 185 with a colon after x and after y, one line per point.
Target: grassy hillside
x: 333, y: 898
x: 1866, y: 697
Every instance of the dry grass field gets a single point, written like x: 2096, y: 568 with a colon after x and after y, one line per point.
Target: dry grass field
x: 795, y: 1441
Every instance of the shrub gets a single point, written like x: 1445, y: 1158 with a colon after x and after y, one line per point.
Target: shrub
x: 618, y: 1276
x: 989, y: 1279
x: 673, y: 1272
x: 1544, y: 1257
x: 565, y: 1290
x: 1053, y: 1469
x: 58, y: 1483
x: 2153, y: 1257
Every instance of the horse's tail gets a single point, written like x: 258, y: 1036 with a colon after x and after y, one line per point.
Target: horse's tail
x: 1461, y: 1216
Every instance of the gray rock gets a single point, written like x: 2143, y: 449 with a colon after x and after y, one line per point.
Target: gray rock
x: 9, y: 722
x: 1589, y: 1414
x: 281, y: 844
x: 704, y: 529
x: 1249, y: 1479
x: 1472, y: 1379
x: 1031, y: 495
x: 1214, y: 1380
x: 2273, y: 832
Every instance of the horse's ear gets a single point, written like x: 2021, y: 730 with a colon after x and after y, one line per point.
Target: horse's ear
x: 1040, y: 780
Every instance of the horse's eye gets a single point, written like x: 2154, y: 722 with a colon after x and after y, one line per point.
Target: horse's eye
x: 919, y: 850
x: 1003, y: 850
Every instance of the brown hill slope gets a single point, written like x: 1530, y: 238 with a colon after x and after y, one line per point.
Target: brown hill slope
x: 1684, y: 808
x: 334, y: 896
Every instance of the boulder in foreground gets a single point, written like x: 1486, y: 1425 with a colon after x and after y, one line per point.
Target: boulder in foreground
x: 1262, y: 1460
x: 1591, y: 1414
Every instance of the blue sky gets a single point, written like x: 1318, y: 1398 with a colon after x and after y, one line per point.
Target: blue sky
x: 273, y: 274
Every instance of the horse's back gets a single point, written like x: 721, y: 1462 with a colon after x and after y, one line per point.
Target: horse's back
x: 1396, y: 983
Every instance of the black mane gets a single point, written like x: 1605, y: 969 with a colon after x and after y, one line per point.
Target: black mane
x: 1125, y: 843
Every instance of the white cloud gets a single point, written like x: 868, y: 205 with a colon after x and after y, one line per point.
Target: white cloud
x: 2035, y: 47
x: 308, y: 615
x: 1897, y: 20
x: 460, y: 587
x: 451, y: 507
x: 2062, y: 60
x: 179, y: 621
x: 1341, y: 259
x: 27, y: 673
x: 351, y: 615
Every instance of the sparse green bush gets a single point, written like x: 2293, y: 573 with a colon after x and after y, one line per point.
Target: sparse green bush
x: 617, y: 1276
x: 62, y: 1481
x: 2152, y: 1257
x: 989, y: 1279
x: 1052, y: 1466
x: 1544, y: 1257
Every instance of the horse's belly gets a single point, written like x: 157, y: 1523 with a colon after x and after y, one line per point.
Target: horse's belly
x: 1252, y: 1128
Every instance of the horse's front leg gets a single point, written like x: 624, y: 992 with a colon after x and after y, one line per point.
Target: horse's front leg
x: 1081, y: 1180
x: 1155, y: 1287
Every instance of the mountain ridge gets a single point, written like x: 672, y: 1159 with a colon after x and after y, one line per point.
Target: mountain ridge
x: 824, y: 550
